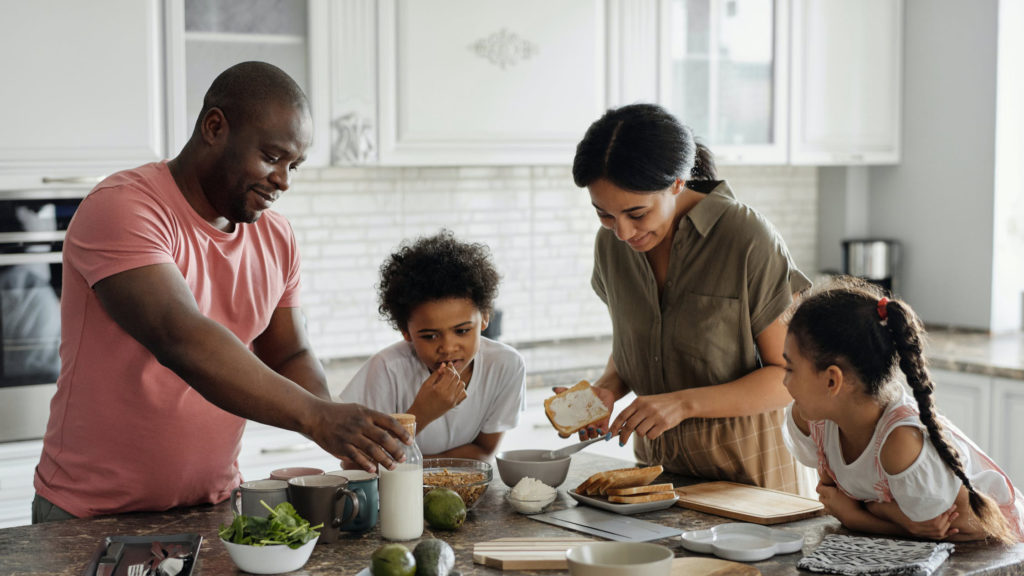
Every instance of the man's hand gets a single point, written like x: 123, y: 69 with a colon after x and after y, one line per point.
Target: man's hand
x: 442, y: 391
x: 361, y: 437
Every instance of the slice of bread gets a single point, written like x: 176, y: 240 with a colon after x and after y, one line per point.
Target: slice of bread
x: 628, y: 478
x: 602, y: 482
x: 575, y: 408
x: 637, y: 498
x: 633, y: 490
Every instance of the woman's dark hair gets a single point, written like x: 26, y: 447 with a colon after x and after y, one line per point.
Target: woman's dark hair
x: 432, y: 268
x: 840, y: 324
x: 641, y: 148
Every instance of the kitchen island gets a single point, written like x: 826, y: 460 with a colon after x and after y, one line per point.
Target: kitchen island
x: 66, y: 548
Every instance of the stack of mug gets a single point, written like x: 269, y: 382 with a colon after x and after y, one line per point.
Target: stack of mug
x: 342, y: 500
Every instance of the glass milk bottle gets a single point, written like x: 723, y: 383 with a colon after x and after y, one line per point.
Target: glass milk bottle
x: 401, y: 491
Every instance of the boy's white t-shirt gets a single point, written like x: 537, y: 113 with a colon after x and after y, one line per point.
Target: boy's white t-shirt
x: 496, y: 395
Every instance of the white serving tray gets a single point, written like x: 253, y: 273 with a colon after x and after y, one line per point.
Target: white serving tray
x: 604, y: 504
x: 742, y: 542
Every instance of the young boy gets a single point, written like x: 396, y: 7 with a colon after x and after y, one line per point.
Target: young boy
x: 465, y: 390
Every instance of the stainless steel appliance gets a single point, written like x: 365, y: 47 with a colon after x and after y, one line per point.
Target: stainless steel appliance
x: 874, y: 259
x: 32, y: 227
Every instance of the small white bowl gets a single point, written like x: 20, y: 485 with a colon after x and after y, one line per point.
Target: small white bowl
x: 620, y: 559
x: 524, y: 506
x: 275, y: 559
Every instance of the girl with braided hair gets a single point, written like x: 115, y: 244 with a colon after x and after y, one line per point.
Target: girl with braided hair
x: 889, y: 462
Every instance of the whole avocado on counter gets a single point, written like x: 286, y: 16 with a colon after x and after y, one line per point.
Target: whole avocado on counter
x: 434, y: 558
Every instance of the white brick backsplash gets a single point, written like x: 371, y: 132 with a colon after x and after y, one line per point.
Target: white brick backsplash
x: 539, y: 226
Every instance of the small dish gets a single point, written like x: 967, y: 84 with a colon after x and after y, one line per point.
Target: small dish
x: 526, y: 506
x: 619, y: 559
x: 604, y: 504
x: 275, y: 559
x: 742, y: 542
x: 514, y: 465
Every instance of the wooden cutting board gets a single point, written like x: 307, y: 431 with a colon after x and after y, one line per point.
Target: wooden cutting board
x: 711, y: 567
x: 526, y: 553
x: 747, y: 503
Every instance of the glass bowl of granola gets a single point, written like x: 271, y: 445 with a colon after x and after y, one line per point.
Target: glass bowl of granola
x: 466, y: 477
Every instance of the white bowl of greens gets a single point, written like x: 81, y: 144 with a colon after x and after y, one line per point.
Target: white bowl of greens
x: 281, y: 542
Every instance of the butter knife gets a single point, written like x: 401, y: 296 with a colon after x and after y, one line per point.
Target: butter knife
x: 573, y: 448
x: 105, y: 566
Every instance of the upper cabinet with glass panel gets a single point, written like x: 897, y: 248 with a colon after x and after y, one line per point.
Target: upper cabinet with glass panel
x: 207, y: 36
x: 723, y: 73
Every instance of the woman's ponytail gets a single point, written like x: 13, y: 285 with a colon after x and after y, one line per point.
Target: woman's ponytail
x: 907, y: 334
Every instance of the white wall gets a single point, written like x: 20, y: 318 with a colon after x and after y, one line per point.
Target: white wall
x: 939, y: 200
x: 540, y: 228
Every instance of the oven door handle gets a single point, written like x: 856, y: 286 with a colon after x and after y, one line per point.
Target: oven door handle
x: 30, y: 258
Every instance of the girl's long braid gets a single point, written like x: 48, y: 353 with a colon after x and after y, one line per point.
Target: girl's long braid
x: 907, y: 333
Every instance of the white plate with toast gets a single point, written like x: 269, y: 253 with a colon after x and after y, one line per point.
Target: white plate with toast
x: 622, y: 508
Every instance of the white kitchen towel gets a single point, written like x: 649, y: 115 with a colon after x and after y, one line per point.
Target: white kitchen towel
x: 852, y: 555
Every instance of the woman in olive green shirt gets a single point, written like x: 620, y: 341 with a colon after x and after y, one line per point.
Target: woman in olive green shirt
x: 695, y: 282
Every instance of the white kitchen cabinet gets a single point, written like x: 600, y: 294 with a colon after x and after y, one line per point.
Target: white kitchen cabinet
x: 724, y: 72
x: 206, y: 37
x: 83, y: 88
x: 1008, y: 427
x: 966, y: 400
x: 17, y: 469
x: 266, y: 448
x: 847, y: 61
x: 469, y: 82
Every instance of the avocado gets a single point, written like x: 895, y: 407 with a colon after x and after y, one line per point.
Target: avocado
x: 433, y: 558
x: 444, y: 509
x: 392, y: 560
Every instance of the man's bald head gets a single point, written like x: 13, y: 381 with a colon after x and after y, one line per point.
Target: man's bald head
x: 244, y: 90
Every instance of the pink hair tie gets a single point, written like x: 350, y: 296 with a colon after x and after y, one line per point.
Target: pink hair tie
x: 883, y: 312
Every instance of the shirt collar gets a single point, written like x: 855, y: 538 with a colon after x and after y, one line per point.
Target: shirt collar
x: 707, y: 212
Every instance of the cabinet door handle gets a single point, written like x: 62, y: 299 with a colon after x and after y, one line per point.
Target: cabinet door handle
x: 289, y: 448
x: 72, y: 179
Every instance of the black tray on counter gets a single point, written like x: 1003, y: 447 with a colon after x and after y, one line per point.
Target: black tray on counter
x: 137, y: 550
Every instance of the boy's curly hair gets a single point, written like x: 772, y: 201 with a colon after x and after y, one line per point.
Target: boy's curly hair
x: 435, y: 267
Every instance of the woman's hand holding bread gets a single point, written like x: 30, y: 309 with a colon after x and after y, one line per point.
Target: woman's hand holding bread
x: 442, y: 391
x: 583, y: 408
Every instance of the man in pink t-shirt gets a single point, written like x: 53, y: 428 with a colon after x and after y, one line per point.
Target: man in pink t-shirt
x: 180, y: 319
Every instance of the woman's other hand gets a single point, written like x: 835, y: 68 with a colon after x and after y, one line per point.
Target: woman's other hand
x: 649, y: 416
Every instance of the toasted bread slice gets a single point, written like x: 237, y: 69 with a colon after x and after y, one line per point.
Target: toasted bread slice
x: 634, y: 490
x: 630, y: 478
x: 575, y: 408
x: 601, y: 482
x: 637, y: 498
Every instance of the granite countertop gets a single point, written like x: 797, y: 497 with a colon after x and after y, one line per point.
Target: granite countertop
x: 67, y: 548
x: 999, y: 355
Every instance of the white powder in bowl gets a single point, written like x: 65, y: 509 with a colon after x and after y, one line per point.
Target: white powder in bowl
x: 530, y: 495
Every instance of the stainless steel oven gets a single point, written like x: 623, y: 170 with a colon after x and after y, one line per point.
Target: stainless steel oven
x: 32, y: 226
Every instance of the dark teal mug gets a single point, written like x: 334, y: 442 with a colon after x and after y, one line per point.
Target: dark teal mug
x: 364, y: 484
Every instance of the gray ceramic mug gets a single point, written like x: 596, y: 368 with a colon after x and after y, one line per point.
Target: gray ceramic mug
x: 323, y: 499
x: 245, y: 499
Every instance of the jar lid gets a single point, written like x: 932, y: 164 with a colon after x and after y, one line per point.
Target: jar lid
x: 408, y: 421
